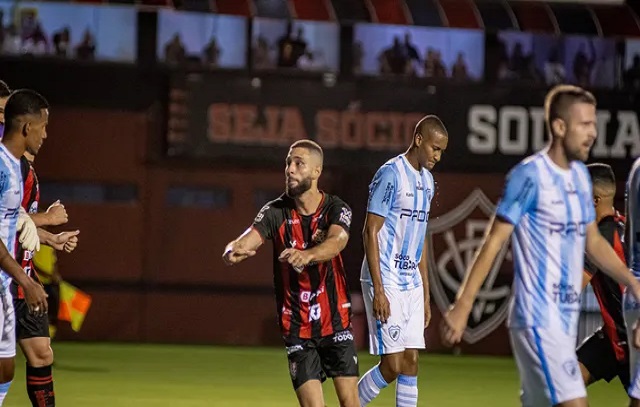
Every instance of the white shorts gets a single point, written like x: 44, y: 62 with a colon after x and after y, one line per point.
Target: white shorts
x: 548, y: 366
x: 7, y: 324
x: 631, y: 309
x: 405, y: 327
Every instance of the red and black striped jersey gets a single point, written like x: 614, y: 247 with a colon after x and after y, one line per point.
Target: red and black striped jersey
x: 30, y: 202
x: 315, y: 302
x: 607, y: 291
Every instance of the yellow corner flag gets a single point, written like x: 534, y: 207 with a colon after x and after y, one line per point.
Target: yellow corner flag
x: 74, y: 305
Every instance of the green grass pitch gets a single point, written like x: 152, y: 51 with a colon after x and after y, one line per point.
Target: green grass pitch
x: 158, y: 375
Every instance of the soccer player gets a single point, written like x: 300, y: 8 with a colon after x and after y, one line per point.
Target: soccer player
x: 631, y: 304
x: 605, y: 354
x: 309, y: 229
x: 547, y: 205
x: 32, y: 331
x: 394, y: 271
x: 26, y: 115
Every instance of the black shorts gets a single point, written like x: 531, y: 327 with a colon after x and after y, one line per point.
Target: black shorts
x: 317, y: 359
x: 29, y: 325
x: 53, y: 299
x: 597, y: 354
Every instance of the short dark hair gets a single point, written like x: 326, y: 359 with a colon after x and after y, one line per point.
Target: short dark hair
x: 22, y: 102
x: 309, y: 145
x: 430, y: 124
x: 4, y: 89
x: 560, y: 98
x: 602, y: 175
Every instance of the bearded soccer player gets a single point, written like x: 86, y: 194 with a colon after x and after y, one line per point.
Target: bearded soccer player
x: 309, y: 228
x: 546, y: 206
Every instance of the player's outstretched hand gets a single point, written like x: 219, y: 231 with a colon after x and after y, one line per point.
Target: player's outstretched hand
x: 57, y: 214
x: 233, y: 256
x: 454, y: 324
x: 67, y: 241
x: 381, y: 308
x: 298, y: 259
x: 36, y: 297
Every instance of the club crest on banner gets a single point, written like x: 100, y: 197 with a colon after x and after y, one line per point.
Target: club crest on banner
x: 454, y: 239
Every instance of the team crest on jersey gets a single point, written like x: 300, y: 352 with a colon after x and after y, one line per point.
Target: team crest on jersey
x: 394, y: 332
x: 454, y: 238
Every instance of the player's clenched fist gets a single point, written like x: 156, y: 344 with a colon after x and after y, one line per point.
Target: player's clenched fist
x: 57, y: 214
x: 298, y: 259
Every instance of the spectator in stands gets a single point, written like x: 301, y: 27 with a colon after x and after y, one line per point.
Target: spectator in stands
x: 86, y: 50
x: 286, y: 54
x: 554, y: 71
x: 632, y: 75
x: 410, y: 50
x: 393, y: 60
x: 211, y: 54
x: 459, y: 70
x: 36, y: 42
x: 299, y: 45
x: 61, y: 42
x: 582, y: 65
x: 519, y: 61
x: 261, y: 59
x: 174, y: 51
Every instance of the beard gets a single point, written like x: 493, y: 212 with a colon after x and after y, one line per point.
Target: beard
x: 303, y: 186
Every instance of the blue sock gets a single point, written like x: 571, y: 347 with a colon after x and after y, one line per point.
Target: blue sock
x: 407, y: 391
x: 370, y: 385
x: 4, y: 389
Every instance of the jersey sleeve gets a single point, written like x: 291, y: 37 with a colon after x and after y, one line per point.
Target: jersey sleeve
x: 382, y: 191
x: 520, y: 194
x: 340, y: 214
x: 264, y: 222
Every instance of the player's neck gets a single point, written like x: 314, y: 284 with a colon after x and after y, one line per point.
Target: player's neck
x: 558, y: 156
x: 308, y: 202
x: 412, y: 156
x: 606, y: 210
x: 15, y: 147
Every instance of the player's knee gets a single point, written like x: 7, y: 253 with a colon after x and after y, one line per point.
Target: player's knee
x: 410, y: 359
x: 41, y: 356
x: 391, y: 368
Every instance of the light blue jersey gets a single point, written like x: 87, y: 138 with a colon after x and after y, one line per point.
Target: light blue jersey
x: 402, y: 195
x: 633, y: 218
x: 550, y: 208
x: 11, y: 190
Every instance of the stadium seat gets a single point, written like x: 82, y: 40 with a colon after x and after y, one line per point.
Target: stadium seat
x: 313, y: 10
x: 425, y: 13
x: 390, y: 11
x: 534, y: 16
x: 235, y: 7
x: 461, y: 13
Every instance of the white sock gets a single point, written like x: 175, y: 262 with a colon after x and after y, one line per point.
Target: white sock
x: 407, y: 391
x: 370, y: 385
x: 4, y: 389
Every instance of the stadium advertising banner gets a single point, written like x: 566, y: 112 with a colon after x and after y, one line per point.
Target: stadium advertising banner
x: 363, y: 123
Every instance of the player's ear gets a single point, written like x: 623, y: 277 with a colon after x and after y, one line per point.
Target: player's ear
x: 418, y: 138
x: 559, y: 127
x: 26, y: 127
